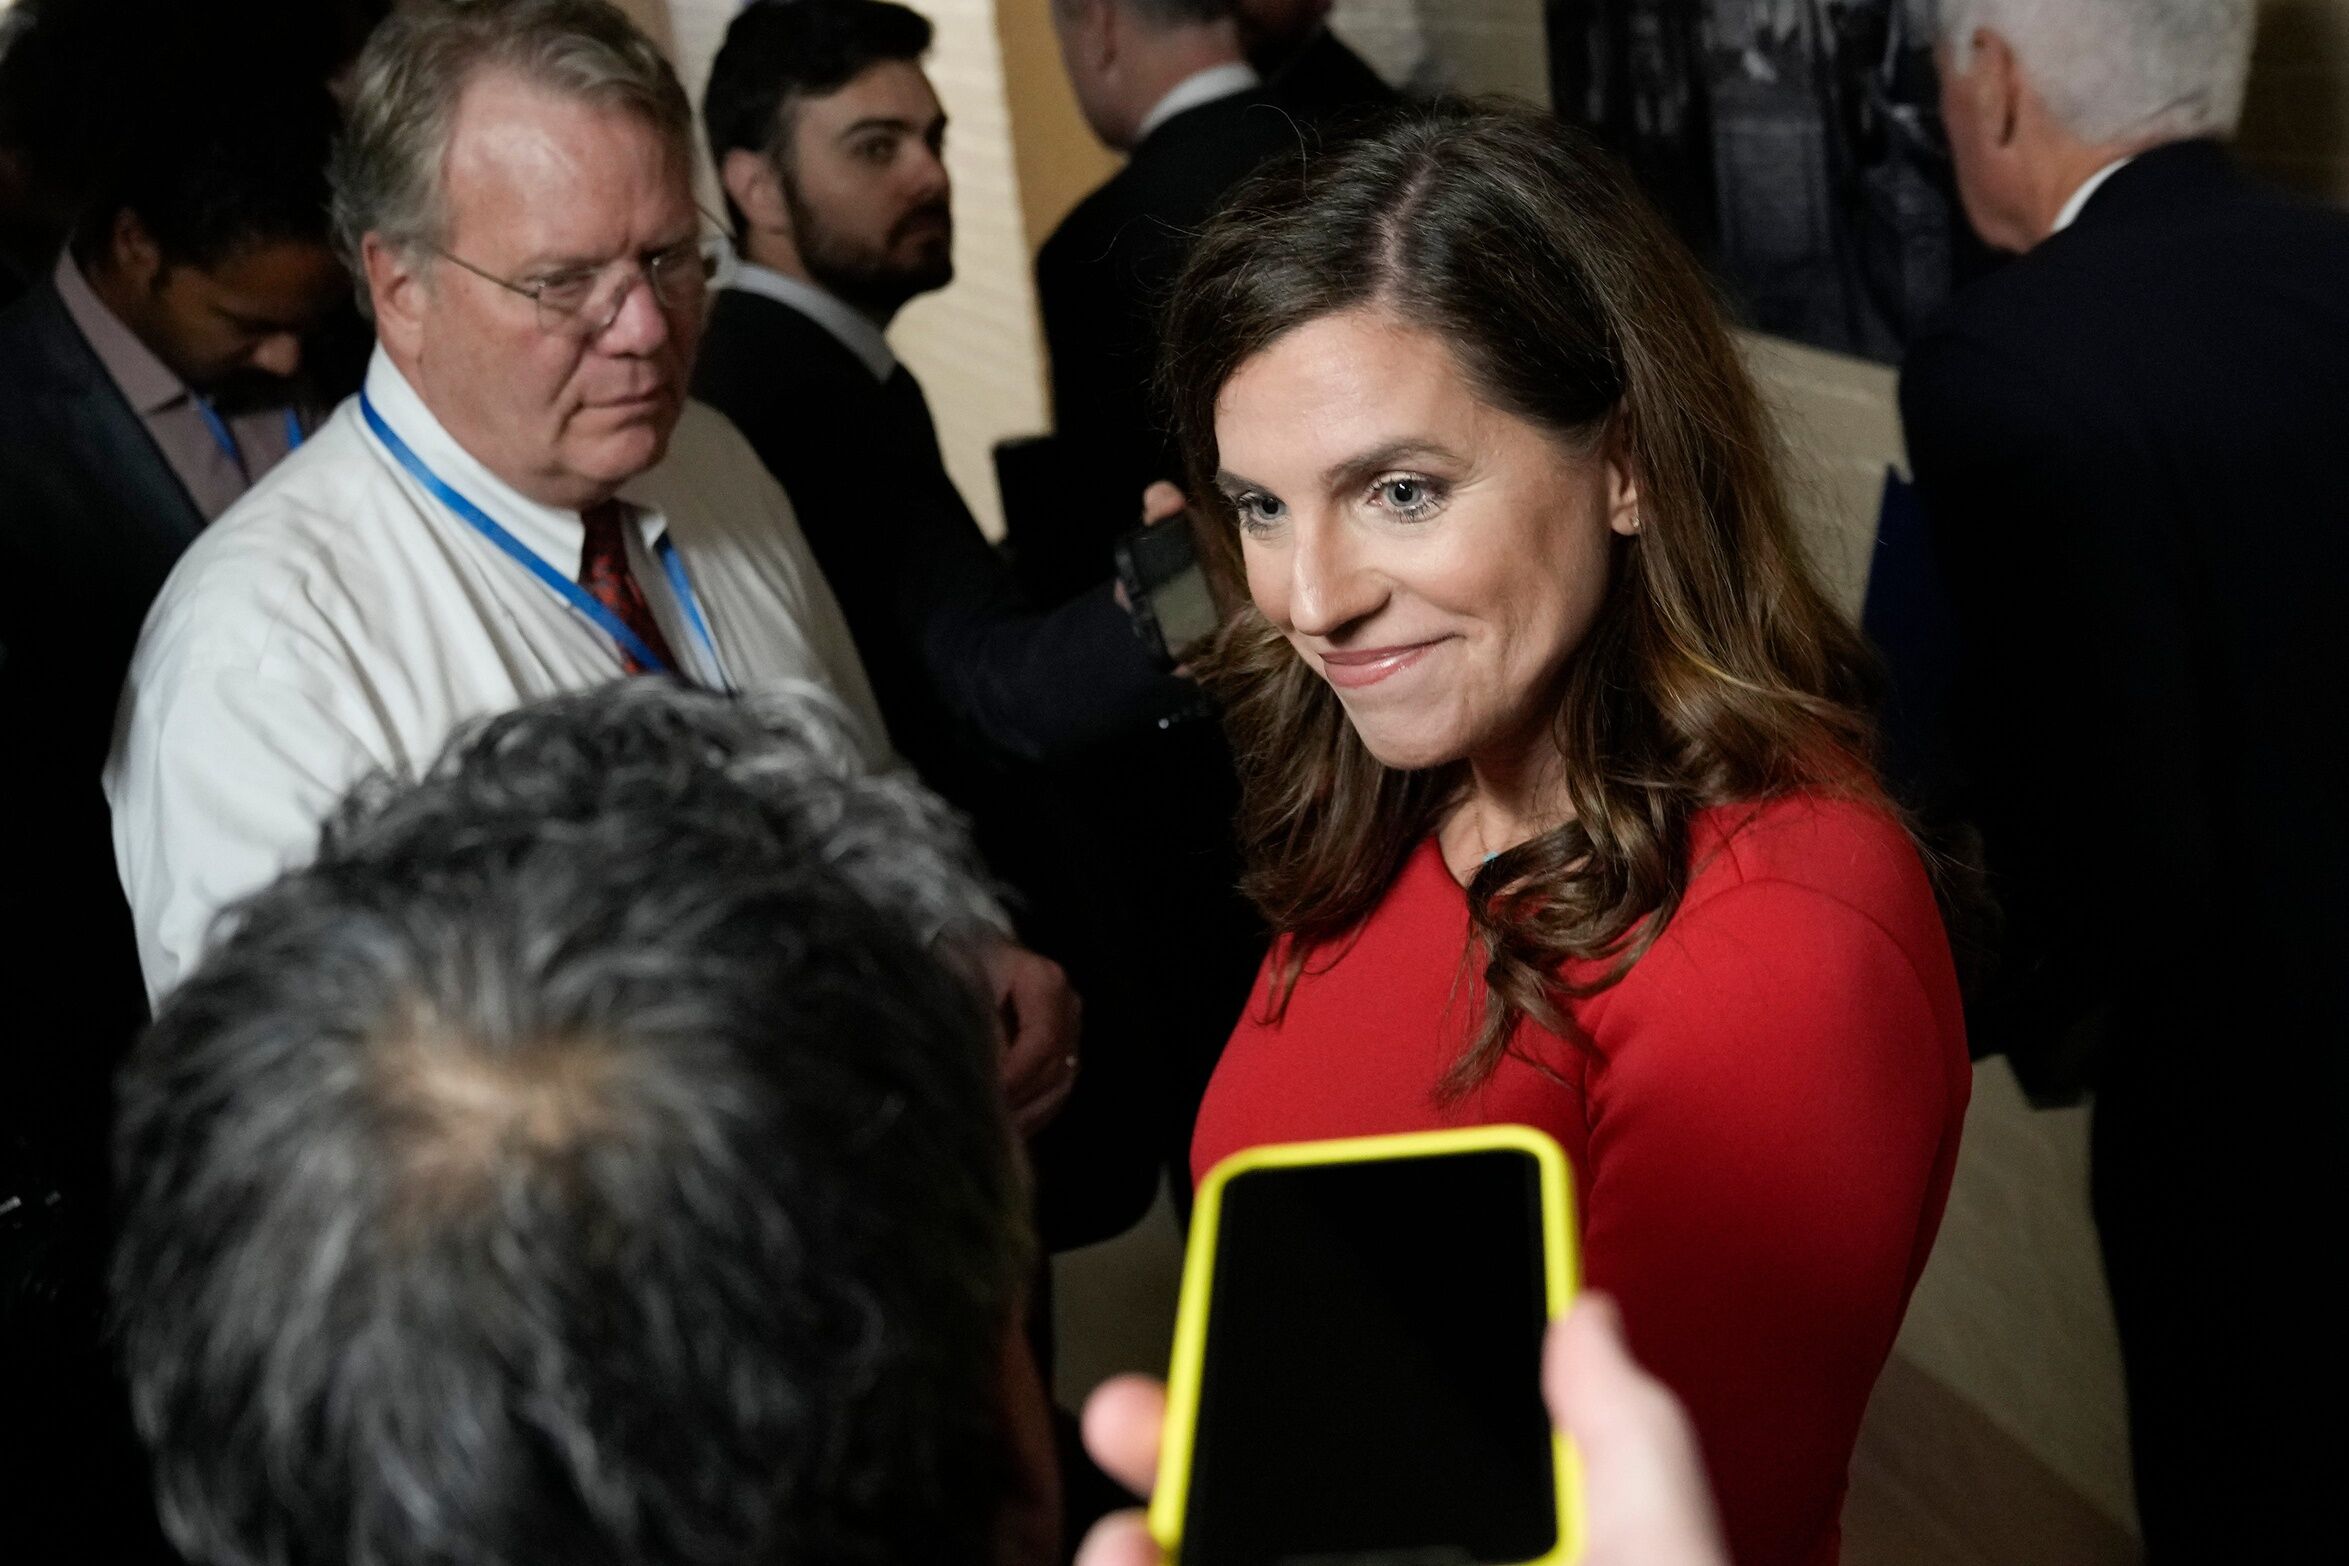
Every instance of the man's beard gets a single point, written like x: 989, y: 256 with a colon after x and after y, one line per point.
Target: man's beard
x: 866, y: 278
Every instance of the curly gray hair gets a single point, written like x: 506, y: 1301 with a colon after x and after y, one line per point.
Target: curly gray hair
x: 583, y: 1158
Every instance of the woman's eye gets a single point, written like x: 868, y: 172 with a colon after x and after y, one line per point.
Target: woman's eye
x: 1406, y: 495
x: 1259, y: 511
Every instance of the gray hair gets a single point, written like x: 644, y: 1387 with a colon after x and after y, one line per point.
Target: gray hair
x: 2111, y: 70
x: 388, y: 163
x: 583, y: 1158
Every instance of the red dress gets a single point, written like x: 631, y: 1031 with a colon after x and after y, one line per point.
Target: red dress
x: 1762, y: 1123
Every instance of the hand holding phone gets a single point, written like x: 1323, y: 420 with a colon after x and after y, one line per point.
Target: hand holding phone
x: 1357, y: 1360
x: 1645, y: 1497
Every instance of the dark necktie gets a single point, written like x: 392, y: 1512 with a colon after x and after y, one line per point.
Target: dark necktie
x: 603, y: 571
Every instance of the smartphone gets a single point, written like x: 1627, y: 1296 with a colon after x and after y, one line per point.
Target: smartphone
x: 1357, y: 1363
x: 1166, y: 589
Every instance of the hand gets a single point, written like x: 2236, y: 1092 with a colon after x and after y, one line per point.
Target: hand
x: 1644, y: 1497
x: 1163, y: 502
x: 1037, y: 1015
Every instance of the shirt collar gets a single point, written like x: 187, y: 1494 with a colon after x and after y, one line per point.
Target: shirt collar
x: 2070, y: 211
x: 856, y: 332
x: 144, y: 380
x: 551, y: 532
x: 1217, y: 81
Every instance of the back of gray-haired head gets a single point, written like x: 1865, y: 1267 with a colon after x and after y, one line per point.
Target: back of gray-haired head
x: 585, y: 1158
x: 415, y: 68
x: 2121, y: 70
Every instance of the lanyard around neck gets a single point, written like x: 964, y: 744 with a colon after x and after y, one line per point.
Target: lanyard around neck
x: 530, y: 560
x: 226, y: 438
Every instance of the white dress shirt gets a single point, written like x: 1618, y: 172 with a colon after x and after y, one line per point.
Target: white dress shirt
x: 340, y: 620
x: 2070, y: 211
x: 1217, y: 81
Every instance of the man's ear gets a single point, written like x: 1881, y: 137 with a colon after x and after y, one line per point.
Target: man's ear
x: 396, y: 290
x: 136, y: 258
x: 2000, y: 74
x: 752, y: 184
x: 1103, y: 31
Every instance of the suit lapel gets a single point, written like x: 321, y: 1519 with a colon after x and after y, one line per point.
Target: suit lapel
x: 105, y: 437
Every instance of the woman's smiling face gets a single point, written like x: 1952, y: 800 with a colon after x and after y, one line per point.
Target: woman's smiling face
x: 1435, y: 558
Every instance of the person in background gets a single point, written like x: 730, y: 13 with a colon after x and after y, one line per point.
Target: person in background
x: 830, y: 142
x: 592, y: 1154
x: 522, y: 501
x: 2128, y: 446
x: 80, y: 81
x: 1290, y: 44
x: 1644, y: 1498
x: 828, y: 139
x: 1556, y: 771
x: 145, y: 383
x: 1167, y: 84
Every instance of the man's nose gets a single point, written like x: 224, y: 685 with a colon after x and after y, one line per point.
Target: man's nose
x: 931, y: 181
x: 641, y: 324
x: 1331, y: 585
x: 278, y: 354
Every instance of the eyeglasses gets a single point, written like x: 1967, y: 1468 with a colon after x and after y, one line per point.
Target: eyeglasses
x: 584, y: 301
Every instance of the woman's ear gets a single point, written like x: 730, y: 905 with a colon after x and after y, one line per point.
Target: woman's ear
x: 1623, y: 514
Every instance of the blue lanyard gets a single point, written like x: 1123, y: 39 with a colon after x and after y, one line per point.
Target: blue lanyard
x: 226, y: 438
x: 563, y: 587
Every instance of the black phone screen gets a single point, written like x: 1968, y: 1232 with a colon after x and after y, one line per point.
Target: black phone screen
x: 1371, y: 1383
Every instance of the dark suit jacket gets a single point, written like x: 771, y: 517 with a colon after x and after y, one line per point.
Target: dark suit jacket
x: 91, y: 519
x: 1101, y: 282
x: 1330, y: 84
x: 956, y: 657
x: 1005, y: 711
x: 2132, y: 449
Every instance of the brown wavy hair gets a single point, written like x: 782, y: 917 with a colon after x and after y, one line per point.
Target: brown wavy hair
x: 1716, y: 670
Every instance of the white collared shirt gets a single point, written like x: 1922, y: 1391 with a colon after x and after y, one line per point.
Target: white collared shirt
x: 340, y: 620
x: 1217, y: 81
x: 2070, y: 211
x: 856, y: 331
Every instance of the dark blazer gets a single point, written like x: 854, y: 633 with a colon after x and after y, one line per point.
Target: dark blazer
x: 2132, y: 446
x: 1330, y: 84
x: 91, y: 519
x: 955, y: 655
x: 1101, y: 281
x: 2132, y: 449
x: 1008, y: 712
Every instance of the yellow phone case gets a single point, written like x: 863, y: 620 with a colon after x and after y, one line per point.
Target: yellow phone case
x: 1561, y: 1268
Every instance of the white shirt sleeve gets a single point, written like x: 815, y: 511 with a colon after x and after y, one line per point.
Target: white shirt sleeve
x: 219, y: 780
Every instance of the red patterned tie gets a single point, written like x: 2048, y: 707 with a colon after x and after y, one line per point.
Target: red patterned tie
x: 603, y: 571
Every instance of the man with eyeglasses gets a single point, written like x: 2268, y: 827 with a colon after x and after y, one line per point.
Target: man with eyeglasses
x: 521, y: 501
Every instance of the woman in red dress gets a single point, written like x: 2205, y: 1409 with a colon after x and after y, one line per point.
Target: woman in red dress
x: 1555, y: 757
